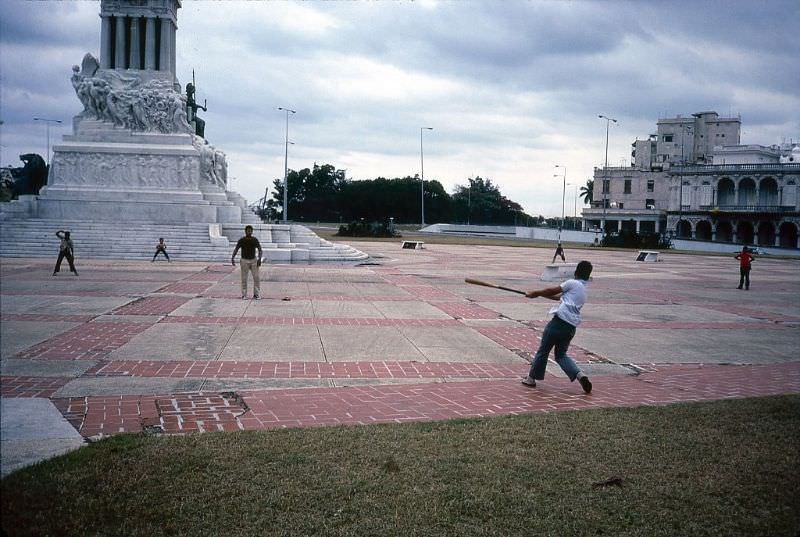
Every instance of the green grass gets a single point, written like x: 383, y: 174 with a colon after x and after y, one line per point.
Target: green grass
x: 727, y: 468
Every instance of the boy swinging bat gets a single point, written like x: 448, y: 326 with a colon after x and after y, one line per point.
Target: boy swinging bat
x: 559, y: 332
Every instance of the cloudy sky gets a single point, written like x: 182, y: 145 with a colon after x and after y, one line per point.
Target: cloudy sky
x: 511, y: 88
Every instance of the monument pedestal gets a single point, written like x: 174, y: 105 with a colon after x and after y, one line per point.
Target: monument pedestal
x: 104, y: 173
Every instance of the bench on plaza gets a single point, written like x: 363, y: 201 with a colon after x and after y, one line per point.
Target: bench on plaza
x: 647, y: 256
x: 413, y: 245
x: 558, y: 272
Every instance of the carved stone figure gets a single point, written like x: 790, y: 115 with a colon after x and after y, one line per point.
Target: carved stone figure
x: 128, y: 101
x: 213, y: 164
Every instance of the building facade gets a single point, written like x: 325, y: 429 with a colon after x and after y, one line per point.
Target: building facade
x: 693, y: 180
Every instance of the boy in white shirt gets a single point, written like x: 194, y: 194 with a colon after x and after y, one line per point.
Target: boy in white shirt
x: 558, y: 333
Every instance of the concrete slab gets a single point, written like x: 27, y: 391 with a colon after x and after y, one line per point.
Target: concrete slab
x: 659, y: 312
x: 105, y: 386
x: 45, y: 368
x: 409, y: 310
x: 61, y: 305
x: 207, y: 307
x: 368, y: 343
x: 274, y: 343
x: 454, y: 337
x: 333, y: 289
x: 16, y: 336
x: 346, y: 310
x: 277, y: 307
x: 695, y: 345
x: 176, y: 341
x: 531, y: 310
x: 33, y: 430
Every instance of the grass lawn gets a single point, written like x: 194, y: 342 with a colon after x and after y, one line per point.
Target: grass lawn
x: 728, y: 468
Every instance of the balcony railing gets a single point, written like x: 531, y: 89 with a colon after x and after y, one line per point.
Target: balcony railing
x: 788, y: 167
x: 749, y: 208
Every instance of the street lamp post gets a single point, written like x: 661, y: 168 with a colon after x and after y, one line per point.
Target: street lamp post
x: 563, y: 196
x: 605, y: 177
x: 422, y: 173
x: 286, y: 167
x: 574, y: 206
x: 684, y: 130
x: 48, y: 122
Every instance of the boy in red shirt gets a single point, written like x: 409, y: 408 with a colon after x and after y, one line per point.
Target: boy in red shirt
x: 745, y: 259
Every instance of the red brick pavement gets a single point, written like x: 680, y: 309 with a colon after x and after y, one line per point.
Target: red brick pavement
x: 264, y: 409
x: 186, y: 288
x: 305, y: 370
x: 152, y: 305
x: 19, y: 386
x: 318, y: 321
x: 89, y: 341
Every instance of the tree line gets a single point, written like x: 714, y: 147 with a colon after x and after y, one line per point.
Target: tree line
x: 324, y: 194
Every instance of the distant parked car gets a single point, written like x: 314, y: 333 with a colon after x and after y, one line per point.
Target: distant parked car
x: 756, y: 250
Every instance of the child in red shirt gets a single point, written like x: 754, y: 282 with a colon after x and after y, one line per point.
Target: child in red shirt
x: 745, y: 259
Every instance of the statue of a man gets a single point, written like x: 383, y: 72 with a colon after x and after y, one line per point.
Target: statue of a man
x: 191, y: 111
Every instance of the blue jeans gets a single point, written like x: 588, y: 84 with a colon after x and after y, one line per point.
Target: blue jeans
x: 556, y: 334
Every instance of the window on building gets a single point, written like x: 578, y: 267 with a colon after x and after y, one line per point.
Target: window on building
x: 651, y: 185
x: 606, y: 186
x: 621, y: 205
x: 650, y: 204
x: 627, y: 186
x: 667, y: 137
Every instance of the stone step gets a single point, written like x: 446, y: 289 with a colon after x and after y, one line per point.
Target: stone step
x: 187, y: 242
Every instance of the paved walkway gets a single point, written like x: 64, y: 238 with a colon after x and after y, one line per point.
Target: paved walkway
x: 134, y: 346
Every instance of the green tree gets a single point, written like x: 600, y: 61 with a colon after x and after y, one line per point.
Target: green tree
x: 481, y: 202
x: 587, y: 192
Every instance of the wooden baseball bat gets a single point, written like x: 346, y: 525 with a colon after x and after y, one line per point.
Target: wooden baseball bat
x: 492, y: 285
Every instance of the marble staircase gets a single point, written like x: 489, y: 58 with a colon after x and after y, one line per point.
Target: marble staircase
x: 33, y: 237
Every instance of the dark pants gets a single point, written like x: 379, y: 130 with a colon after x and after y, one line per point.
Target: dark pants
x: 61, y: 255
x: 160, y: 251
x: 744, y: 277
x: 556, y: 334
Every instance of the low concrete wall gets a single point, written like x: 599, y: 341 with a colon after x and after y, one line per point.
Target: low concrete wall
x: 588, y: 238
x: 729, y: 247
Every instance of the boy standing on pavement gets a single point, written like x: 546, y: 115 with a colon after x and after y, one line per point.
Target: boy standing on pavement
x: 249, y: 262
x: 65, y: 249
x: 745, y: 258
x: 561, y: 329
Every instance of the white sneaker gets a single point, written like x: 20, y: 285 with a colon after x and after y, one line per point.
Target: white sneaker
x: 528, y: 381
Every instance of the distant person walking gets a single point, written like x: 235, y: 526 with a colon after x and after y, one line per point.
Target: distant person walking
x: 561, y: 329
x: 745, y: 259
x: 249, y: 262
x: 559, y: 252
x: 65, y: 249
x: 161, y: 248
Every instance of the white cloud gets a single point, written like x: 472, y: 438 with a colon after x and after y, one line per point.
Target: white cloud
x: 509, y: 92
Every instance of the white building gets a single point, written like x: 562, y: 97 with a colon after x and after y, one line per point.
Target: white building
x: 692, y: 179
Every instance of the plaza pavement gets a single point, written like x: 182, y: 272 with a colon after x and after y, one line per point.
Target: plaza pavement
x: 172, y: 348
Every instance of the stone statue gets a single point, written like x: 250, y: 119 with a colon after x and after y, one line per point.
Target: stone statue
x: 30, y: 178
x: 213, y: 164
x: 191, y: 111
x: 128, y: 101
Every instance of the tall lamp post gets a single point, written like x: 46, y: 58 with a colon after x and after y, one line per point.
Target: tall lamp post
x: 48, y: 122
x: 422, y: 172
x: 684, y: 130
x: 574, y: 206
x: 286, y: 166
x: 605, y: 176
x: 563, y: 196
